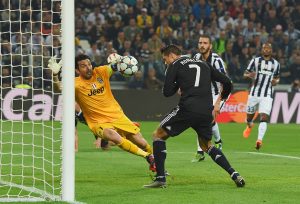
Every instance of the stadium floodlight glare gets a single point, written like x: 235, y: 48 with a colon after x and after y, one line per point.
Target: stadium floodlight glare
x: 36, y: 122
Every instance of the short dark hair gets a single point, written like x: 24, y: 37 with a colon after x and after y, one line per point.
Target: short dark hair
x: 170, y: 49
x: 206, y: 36
x: 80, y: 57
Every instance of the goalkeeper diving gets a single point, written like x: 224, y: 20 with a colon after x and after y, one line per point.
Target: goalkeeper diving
x: 56, y: 68
x: 103, y: 114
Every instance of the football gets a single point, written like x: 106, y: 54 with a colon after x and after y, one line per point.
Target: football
x: 114, y: 58
x: 128, y: 66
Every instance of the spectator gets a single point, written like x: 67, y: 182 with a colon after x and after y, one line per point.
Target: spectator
x: 155, y: 44
x: 137, y: 81
x: 5, y: 79
x: 121, y: 7
x: 129, y: 15
x: 295, y: 15
x: 201, y: 10
x: 131, y: 30
x: 270, y: 21
x: 295, y: 87
x: 295, y: 66
x: 151, y: 81
x: 118, y: 43
x: 235, y: 9
x: 94, y: 53
x: 219, y: 44
x: 293, y: 33
x: 137, y: 44
x: 143, y: 19
x: 112, y: 16
x: 94, y: 15
x: 164, y: 30
x: 224, y: 20
x: 240, y: 20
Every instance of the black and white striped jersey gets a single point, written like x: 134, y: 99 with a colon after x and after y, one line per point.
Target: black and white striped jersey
x: 265, y: 70
x: 215, y: 61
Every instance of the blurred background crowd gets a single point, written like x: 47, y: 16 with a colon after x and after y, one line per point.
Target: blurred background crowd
x: 141, y: 27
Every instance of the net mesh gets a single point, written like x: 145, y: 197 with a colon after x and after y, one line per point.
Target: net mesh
x: 30, y: 136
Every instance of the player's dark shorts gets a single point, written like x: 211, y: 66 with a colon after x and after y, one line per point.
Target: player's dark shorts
x: 178, y: 121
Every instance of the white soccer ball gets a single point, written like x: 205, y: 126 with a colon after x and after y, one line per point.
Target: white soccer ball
x: 114, y: 58
x: 128, y: 66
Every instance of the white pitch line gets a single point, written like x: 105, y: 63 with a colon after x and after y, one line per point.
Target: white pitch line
x: 272, y: 155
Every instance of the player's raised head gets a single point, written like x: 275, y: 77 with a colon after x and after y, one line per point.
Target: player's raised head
x: 267, y: 50
x: 204, y: 44
x: 83, y: 66
x: 81, y: 57
x: 170, y: 53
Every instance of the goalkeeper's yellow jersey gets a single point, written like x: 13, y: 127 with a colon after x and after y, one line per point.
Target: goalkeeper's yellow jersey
x: 95, y: 98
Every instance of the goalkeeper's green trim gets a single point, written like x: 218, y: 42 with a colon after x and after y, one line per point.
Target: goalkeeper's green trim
x: 110, y: 70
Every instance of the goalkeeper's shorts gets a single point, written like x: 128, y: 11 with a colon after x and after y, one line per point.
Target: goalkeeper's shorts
x: 123, y: 126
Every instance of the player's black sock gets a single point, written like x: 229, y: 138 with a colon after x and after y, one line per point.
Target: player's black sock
x: 160, y: 154
x: 218, y: 157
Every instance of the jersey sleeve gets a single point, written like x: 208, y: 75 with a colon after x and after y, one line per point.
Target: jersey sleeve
x: 277, y: 70
x: 220, y: 65
x: 251, y: 66
x: 105, y: 70
x: 170, y: 86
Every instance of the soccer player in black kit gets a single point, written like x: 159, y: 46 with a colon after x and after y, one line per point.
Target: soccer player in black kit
x: 193, y: 78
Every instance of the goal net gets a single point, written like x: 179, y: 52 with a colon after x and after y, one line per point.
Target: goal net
x: 31, y: 142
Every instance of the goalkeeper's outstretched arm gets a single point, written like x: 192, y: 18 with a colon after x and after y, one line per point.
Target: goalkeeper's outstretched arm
x: 55, y: 68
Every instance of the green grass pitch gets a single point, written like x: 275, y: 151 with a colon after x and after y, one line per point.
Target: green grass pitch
x: 115, y: 176
x: 272, y: 174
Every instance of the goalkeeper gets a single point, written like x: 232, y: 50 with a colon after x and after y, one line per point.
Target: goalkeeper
x: 56, y: 68
x: 103, y: 113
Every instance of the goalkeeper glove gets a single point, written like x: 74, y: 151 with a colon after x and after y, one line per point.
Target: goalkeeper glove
x: 54, y: 66
x: 113, y: 59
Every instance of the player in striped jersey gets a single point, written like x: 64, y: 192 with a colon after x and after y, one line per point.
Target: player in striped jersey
x: 264, y: 73
x: 213, y: 59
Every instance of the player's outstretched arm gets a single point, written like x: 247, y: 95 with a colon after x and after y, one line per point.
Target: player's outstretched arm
x: 55, y: 68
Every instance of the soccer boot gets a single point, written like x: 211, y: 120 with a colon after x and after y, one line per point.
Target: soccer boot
x: 238, y: 179
x: 199, y: 156
x: 158, y: 182
x: 247, y: 131
x: 151, y: 161
x: 258, y: 144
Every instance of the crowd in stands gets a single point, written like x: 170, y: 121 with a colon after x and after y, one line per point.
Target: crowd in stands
x: 238, y: 29
x: 141, y: 27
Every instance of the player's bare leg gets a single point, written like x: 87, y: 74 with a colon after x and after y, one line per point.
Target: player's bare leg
x: 123, y: 143
x: 247, y: 131
x: 262, y: 128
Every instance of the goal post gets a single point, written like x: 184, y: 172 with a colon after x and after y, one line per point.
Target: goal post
x: 37, y: 154
x: 68, y: 74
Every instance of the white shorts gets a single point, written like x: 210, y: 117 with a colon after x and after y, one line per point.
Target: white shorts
x: 263, y: 104
x: 215, y: 97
